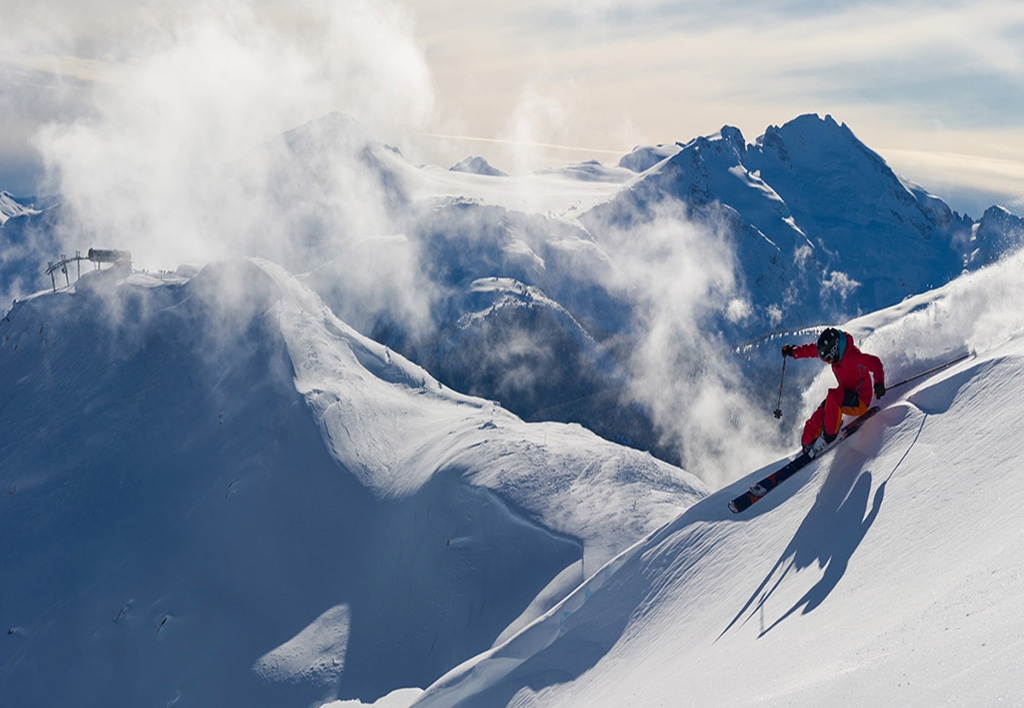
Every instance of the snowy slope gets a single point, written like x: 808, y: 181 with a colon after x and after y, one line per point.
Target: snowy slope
x: 412, y: 437
x: 886, y: 573
x: 216, y: 493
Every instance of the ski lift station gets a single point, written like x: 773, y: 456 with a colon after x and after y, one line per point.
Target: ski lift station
x: 97, y: 256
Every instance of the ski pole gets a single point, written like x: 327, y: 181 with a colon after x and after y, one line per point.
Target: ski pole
x: 930, y: 371
x: 778, y: 407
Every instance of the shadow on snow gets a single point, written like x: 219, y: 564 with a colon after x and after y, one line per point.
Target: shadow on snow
x: 829, y: 535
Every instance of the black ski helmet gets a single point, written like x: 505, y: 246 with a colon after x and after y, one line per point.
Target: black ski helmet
x: 830, y: 345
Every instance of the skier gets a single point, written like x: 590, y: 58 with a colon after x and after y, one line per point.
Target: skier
x: 853, y: 370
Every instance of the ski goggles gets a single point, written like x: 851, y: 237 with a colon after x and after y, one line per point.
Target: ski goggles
x: 829, y: 353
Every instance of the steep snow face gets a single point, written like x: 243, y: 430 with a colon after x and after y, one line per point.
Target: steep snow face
x: 216, y: 492
x: 883, y: 573
x: 543, y: 348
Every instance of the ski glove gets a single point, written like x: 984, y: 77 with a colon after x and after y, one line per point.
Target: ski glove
x: 879, y: 390
x: 787, y: 350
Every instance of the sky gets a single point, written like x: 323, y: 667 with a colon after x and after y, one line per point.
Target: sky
x: 937, y: 88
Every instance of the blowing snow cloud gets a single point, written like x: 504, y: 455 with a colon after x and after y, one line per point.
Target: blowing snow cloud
x: 168, y: 162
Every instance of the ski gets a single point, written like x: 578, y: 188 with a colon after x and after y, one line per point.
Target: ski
x: 758, y: 490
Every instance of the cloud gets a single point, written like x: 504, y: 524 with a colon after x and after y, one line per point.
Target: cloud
x: 623, y: 72
x: 649, y: 72
x: 682, y: 277
x: 538, y: 117
x: 970, y: 183
x: 164, y: 163
x: 163, y: 134
x: 978, y: 311
x: 838, y: 284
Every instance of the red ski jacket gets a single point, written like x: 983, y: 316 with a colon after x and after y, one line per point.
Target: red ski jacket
x: 854, y: 369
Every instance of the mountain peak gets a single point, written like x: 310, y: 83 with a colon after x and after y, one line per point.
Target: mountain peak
x: 477, y: 165
x: 734, y: 137
x: 997, y: 232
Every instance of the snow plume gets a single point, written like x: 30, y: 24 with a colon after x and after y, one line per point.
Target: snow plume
x: 538, y: 119
x: 682, y: 277
x: 838, y: 284
x: 182, y: 159
x: 977, y: 312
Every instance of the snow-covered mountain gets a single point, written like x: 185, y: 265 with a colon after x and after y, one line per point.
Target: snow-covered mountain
x: 290, y: 479
x: 216, y: 492
x: 819, y: 229
x: 816, y: 228
x: 478, y: 166
x: 823, y: 228
x: 885, y: 573
x: 589, y: 266
x: 997, y: 232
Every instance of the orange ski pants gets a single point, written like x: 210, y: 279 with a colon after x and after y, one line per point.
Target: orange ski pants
x: 828, y: 417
